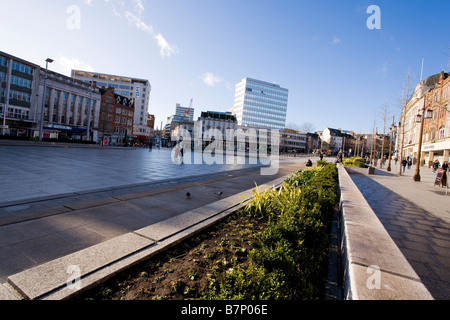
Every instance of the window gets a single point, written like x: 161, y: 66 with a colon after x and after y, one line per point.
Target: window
x: 124, y: 112
x: 118, y: 111
x: 117, y: 120
x: 116, y: 129
x: 441, y: 132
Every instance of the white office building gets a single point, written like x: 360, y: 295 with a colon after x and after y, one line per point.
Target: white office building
x: 184, y: 112
x: 260, y: 104
x: 132, y: 88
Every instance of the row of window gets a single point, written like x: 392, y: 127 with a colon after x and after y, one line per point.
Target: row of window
x: 124, y: 120
x: 21, y: 67
x: 21, y: 96
x: 267, y: 94
x: 21, y: 82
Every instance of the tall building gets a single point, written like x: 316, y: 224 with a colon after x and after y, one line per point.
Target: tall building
x: 184, y: 112
x: 19, y: 85
x: 66, y: 107
x: 132, y: 88
x: 261, y: 104
x: 433, y: 94
x: 66, y: 102
x: 116, y: 118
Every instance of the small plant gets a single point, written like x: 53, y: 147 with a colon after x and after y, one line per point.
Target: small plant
x: 177, y: 286
x: 192, y: 275
x: 288, y: 259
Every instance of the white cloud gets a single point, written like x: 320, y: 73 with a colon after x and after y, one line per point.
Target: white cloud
x: 138, y: 23
x: 134, y: 18
x: 336, y: 40
x: 88, y: 2
x: 67, y: 64
x: 166, y: 49
x: 383, y: 69
x: 138, y: 6
x: 210, y: 79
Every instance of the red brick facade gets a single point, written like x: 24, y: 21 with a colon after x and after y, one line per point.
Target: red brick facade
x: 116, y: 118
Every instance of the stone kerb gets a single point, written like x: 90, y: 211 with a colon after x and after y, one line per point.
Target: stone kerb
x: 374, y: 267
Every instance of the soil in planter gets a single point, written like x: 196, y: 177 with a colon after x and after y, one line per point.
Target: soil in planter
x: 186, y: 270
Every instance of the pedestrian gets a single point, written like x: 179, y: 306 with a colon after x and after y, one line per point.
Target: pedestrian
x: 409, y: 162
x: 445, y: 166
x: 309, y: 163
x: 435, y: 165
x: 396, y: 160
x: 404, y: 162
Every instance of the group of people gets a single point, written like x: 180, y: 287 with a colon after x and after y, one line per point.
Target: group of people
x: 435, y: 165
x: 406, y: 162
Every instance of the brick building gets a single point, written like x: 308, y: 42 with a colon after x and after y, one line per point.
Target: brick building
x: 434, y: 94
x: 116, y: 118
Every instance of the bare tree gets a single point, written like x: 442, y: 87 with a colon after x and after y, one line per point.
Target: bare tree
x: 403, y: 104
x: 305, y: 127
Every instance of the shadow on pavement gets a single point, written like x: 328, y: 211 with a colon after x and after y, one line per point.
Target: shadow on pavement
x: 422, y: 237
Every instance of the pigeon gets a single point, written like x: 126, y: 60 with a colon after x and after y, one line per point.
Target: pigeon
x: 188, y: 195
x: 219, y: 193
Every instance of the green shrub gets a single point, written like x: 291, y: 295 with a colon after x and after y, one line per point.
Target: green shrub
x: 354, y: 162
x: 291, y: 255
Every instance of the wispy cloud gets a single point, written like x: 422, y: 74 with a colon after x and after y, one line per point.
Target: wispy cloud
x: 138, y: 23
x: 335, y: 40
x: 383, y: 69
x: 67, y: 64
x: 166, y: 49
x: 138, y: 6
x: 133, y: 16
x: 210, y: 79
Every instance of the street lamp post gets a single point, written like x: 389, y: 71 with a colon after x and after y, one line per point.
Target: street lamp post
x: 391, y: 131
x: 88, y: 128
x: 416, y: 176
x: 41, y: 123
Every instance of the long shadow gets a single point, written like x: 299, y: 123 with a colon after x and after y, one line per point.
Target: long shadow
x: 422, y: 237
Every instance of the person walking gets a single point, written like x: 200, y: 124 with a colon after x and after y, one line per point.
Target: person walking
x: 404, y: 162
x: 435, y: 165
x: 409, y: 163
x: 445, y: 166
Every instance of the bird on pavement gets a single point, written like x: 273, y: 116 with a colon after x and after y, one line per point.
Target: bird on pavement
x: 188, y: 195
x: 218, y: 193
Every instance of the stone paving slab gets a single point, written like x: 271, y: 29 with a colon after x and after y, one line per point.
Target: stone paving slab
x: 416, y: 216
x: 391, y: 286
x: 366, y: 246
x: 6, y: 294
x: 91, y: 203
x: 38, y: 281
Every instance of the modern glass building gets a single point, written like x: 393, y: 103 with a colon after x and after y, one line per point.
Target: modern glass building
x: 260, y: 104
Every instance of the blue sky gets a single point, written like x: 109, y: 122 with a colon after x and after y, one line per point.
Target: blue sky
x: 339, y: 73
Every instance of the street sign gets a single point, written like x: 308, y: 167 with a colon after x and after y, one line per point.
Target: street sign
x: 441, y: 178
